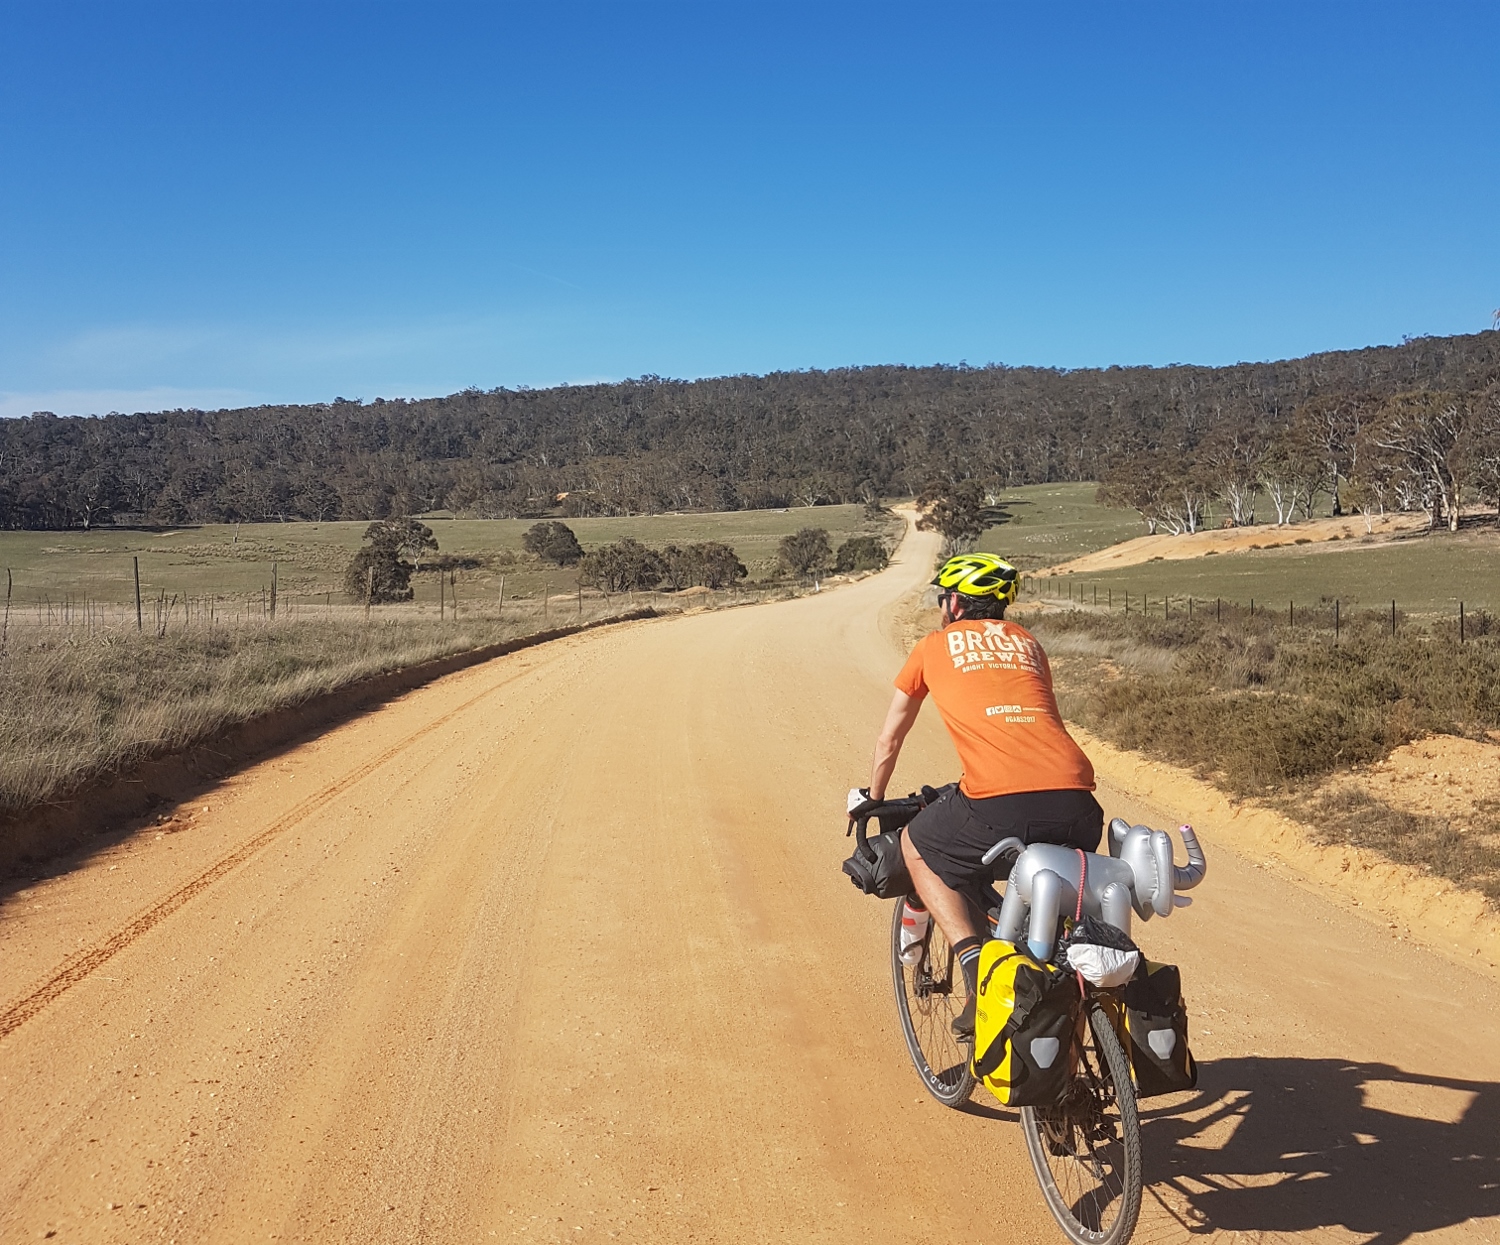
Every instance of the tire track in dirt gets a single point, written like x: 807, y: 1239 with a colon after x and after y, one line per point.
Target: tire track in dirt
x: 78, y: 966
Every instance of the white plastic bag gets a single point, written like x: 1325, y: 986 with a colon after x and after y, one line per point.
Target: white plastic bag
x: 1103, y: 966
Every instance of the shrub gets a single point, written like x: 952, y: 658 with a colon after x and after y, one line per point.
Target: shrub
x: 712, y: 564
x: 1261, y: 706
x: 806, y: 552
x: 862, y: 553
x: 625, y: 566
x: 553, y: 541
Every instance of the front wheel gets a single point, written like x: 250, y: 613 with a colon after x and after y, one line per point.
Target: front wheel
x: 1086, y: 1150
x: 929, y: 994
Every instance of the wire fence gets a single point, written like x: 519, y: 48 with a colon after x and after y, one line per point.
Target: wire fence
x: 1332, y: 614
x: 159, y: 611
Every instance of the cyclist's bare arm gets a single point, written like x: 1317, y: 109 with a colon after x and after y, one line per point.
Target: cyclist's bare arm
x: 898, y: 722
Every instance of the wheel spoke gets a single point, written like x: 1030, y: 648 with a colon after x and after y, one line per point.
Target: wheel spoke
x: 928, y: 998
x: 1086, y: 1149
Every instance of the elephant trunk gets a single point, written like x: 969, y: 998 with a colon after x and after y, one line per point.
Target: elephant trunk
x: 1189, y: 875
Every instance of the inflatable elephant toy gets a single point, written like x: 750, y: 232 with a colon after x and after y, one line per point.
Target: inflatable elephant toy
x: 1138, y: 873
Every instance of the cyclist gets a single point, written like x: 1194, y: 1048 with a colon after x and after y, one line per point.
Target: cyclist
x: 1023, y: 774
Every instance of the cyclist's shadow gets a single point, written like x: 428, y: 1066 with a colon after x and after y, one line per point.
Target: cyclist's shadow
x: 1291, y: 1145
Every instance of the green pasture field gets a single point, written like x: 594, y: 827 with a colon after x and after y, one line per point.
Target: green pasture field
x: 225, y: 560
x: 1051, y: 523
x: 1425, y: 573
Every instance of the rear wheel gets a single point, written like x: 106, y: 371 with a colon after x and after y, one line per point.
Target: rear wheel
x: 929, y: 994
x: 1087, y: 1150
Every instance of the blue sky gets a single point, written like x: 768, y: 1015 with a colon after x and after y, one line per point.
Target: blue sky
x: 215, y: 203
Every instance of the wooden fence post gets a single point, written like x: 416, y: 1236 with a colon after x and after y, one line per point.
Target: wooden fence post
x: 500, y: 610
x: 137, y: 562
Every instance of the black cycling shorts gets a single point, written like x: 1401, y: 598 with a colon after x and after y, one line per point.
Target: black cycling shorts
x: 953, y: 833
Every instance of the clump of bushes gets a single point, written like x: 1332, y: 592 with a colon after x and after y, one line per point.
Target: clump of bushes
x: 1260, y: 706
x: 861, y: 553
x: 710, y: 564
x: 806, y: 552
x: 629, y: 566
x: 552, y: 541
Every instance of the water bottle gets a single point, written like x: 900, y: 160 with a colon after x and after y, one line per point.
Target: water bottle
x: 914, y: 920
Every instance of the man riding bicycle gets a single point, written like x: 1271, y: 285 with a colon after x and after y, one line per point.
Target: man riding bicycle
x: 1023, y: 774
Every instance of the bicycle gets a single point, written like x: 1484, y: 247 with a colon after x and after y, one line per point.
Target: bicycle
x: 1086, y: 1148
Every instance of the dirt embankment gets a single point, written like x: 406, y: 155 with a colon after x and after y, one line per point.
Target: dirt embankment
x: 1411, y: 905
x: 1235, y: 539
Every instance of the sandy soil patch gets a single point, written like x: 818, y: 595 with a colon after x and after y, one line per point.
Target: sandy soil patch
x: 1440, y: 776
x: 1234, y: 540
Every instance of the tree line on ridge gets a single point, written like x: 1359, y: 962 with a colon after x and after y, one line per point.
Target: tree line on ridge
x: 1397, y: 426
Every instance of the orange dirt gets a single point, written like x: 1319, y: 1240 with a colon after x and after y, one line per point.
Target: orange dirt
x: 1439, y: 776
x: 1232, y: 540
x: 557, y: 949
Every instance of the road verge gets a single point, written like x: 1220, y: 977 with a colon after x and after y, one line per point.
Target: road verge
x: 1407, y: 904
x: 108, y: 805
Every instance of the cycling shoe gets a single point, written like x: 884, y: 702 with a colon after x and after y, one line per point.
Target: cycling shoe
x: 963, y: 1023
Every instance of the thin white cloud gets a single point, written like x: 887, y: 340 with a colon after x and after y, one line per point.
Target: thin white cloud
x: 127, y: 401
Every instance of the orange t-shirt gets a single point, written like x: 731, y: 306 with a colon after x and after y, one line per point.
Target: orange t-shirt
x: 993, y: 686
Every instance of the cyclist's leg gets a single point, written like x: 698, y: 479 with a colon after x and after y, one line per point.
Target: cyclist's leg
x: 944, y: 848
x: 950, y: 908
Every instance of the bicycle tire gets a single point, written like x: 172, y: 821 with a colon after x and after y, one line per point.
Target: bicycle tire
x: 1086, y: 1151
x: 928, y: 995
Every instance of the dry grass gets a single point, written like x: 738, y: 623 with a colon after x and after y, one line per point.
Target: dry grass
x: 1345, y: 814
x: 79, y: 702
x: 233, y: 564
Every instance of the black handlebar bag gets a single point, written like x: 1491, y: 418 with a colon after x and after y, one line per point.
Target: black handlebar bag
x: 878, y: 867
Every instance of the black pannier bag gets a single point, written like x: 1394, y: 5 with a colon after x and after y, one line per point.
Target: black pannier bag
x: 1157, y: 1027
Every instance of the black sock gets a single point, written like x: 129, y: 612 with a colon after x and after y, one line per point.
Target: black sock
x: 967, y: 950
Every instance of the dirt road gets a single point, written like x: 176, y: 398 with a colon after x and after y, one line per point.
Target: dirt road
x: 557, y: 949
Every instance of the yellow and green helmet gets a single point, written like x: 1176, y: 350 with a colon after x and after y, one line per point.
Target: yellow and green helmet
x: 979, y: 575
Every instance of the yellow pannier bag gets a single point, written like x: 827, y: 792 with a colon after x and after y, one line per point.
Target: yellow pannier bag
x: 1024, y: 1021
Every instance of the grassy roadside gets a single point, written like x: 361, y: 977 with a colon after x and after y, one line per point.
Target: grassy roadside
x: 1283, y: 715
x: 79, y: 703
x: 76, y: 705
x: 84, y: 694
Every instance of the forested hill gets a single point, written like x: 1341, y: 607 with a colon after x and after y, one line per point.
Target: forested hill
x: 653, y: 444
